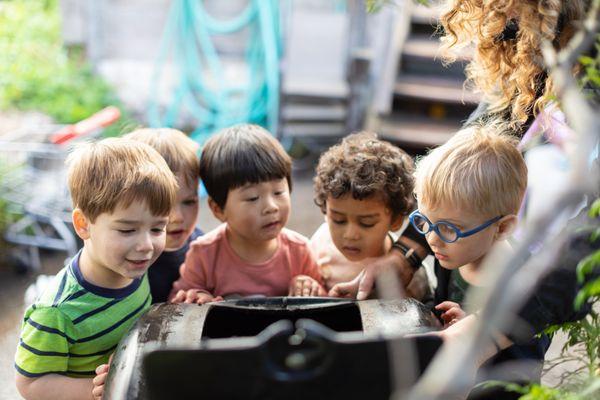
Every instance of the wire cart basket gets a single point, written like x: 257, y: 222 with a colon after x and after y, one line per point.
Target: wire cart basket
x: 34, y: 190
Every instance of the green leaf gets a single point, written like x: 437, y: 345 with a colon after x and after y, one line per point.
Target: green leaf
x: 587, y: 265
x: 595, y: 209
x: 595, y: 235
x: 586, y: 60
x: 589, y: 290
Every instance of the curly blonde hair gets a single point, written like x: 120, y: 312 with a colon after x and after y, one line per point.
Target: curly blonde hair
x: 509, y: 73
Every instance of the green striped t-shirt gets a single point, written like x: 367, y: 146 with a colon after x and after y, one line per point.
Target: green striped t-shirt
x: 74, y: 326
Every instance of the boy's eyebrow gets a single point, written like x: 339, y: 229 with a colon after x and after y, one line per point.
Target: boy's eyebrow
x: 247, y: 186
x: 133, y: 221
x: 453, y: 222
x: 359, y: 216
x: 126, y: 221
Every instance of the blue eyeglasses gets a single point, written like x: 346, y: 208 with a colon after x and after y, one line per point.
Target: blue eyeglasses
x: 446, y: 231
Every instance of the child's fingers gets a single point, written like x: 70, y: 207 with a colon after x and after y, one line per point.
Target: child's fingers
x: 314, y: 289
x: 306, y: 288
x: 191, y: 296
x: 455, y: 313
x: 346, y: 289
x: 365, y: 280
x: 100, y: 379
x: 179, y: 297
x: 299, y: 287
x: 98, y: 392
x: 446, y: 305
x: 102, y: 368
x: 218, y: 298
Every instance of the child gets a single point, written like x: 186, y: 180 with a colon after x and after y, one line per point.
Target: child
x: 246, y: 173
x: 364, y: 187
x: 469, y: 191
x: 179, y: 152
x: 122, y: 192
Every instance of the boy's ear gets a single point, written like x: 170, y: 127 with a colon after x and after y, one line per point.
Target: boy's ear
x: 216, y: 210
x: 81, y: 224
x: 397, y: 223
x: 506, y: 226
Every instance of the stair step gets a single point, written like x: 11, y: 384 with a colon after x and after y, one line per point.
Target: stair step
x: 314, y: 112
x: 425, y: 14
x: 434, y: 89
x: 428, y: 47
x: 421, y: 46
x: 314, y: 129
x: 417, y: 132
x: 316, y: 89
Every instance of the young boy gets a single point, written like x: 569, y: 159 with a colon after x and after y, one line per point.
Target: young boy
x: 469, y: 191
x: 364, y: 187
x: 122, y: 193
x: 179, y: 151
x: 246, y: 173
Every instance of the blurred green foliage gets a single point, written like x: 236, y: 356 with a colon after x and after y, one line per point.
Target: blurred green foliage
x: 37, y: 72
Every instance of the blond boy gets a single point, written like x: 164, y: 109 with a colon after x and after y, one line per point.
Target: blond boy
x: 469, y: 191
x: 122, y: 192
x: 180, y: 153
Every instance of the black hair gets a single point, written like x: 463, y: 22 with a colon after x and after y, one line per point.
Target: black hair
x: 239, y: 155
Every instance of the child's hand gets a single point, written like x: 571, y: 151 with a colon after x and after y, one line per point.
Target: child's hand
x: 348, y: 289
x: 451, y: 312
x: 100, y: 379
x: 304, y: 285
x: 191, y: 296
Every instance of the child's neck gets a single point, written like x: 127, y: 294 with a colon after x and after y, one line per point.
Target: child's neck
x: 471, y: 272
x: 99, y: 275
x: 252, y: 251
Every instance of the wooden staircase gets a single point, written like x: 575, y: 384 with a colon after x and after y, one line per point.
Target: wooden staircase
x: 427, y: 102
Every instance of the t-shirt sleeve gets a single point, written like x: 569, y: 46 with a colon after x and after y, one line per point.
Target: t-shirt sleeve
x: 44, y: 344
x: 193, y: 273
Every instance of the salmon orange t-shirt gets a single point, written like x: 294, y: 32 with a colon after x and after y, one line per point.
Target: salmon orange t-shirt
x: 212, y: 266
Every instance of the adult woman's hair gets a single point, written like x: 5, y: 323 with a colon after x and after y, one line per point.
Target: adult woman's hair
x: 508, y: 66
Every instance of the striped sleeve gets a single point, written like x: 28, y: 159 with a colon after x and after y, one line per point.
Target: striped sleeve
x: 44, y: 344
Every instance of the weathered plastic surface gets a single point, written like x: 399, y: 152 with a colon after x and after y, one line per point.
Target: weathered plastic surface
x: 268, y: 348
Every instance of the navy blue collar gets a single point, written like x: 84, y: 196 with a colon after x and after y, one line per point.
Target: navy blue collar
x: 99, y: 290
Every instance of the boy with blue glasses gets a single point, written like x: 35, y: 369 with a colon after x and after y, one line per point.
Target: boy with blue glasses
x: 469, y: 192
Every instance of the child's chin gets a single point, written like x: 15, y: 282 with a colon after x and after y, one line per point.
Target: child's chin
x: 447, y: 264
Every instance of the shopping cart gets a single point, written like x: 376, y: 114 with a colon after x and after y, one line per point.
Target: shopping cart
x: 33, y: 186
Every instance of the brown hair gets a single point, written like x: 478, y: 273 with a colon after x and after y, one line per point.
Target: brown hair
x: 479, y: 168
x: 364, y: 166
x: 178, y: 150
x: 116, y: 172
x: 239, y: 155
x: 510, y: 73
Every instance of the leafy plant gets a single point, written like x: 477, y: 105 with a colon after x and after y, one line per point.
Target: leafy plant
x: 36, y: 71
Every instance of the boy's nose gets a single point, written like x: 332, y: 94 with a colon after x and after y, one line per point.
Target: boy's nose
x: 434, y: 240
x: 144, y: 244
x: 176, y: 216
x: 351, y: 233
x: 270, y: 206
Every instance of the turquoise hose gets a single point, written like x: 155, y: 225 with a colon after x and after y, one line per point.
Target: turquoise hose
x: 188, y: 37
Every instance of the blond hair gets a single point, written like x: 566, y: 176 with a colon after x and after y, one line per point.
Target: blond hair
x: 510, y: 73
x: 479, y: 169
x: 116, y: 172
x: 178, y: 150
